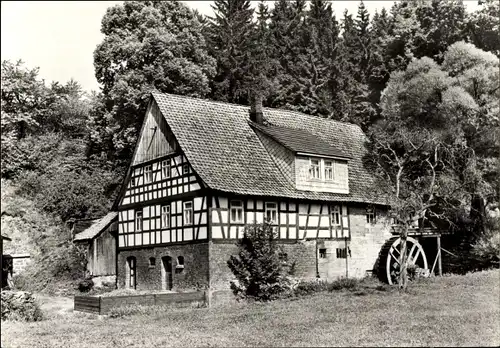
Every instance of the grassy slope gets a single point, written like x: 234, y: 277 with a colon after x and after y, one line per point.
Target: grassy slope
x: 450, y: 311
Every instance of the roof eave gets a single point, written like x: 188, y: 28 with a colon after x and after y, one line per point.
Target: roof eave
x: 300, y: 153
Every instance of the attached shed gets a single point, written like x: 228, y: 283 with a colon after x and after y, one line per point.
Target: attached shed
x: 100, y: 240
x: 5, y: 269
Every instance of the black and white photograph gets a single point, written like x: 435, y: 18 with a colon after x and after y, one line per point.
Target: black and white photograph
x: 237, y: 173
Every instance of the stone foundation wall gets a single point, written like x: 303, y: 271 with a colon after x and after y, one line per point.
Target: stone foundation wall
x: 330, y: 259
x: 366, y: 240
x: 194, y: 275
x: 301, y: 252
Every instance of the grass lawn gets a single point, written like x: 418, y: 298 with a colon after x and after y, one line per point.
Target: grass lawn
x: 448, y: 311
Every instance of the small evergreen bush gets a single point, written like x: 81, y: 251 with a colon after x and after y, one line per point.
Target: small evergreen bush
x: 20, y: 306
x: 261, y: 271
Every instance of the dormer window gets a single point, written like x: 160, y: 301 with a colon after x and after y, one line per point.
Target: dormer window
x: 314, y: 169
x: 328, y: 170
x: 321, y: 169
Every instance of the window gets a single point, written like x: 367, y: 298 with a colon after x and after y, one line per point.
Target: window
x: 180, y: 264
x: 185, y: 169
x: 236, y: 211
x: 148, y: 174
x: 283, y: 257
x: 165, y: 169
x: 314, y: 172
x: 370, y: 215
x: 138, y: 220
x: 188, y: 213
x: 271, y: 212
x: 341, y: 253
x: 152, y: 262
x: 165, y: 216
x: 322, y: 253
x: 336, y: 215
x: 328, y: 170
x: 132, y: 182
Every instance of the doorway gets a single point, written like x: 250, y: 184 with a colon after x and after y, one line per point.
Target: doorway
x: 132, y: 274
x: 166, y: 273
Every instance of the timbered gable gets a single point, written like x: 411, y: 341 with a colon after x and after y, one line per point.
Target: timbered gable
x: 165, y: 177
x: 156, y: 140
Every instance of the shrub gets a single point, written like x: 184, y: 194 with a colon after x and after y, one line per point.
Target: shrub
x: 260, y: 268
x: 21, y: 306
x: 85, y: 285
x: 344, y: 283
x: 304, y: 288
x: 487, y: 247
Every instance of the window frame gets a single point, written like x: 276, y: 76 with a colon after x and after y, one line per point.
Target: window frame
x: 322, y: 252
x: 336, y: 212
x: 371, y: 216
x: 236, y: 209
x: 139, y: 213
x: 314, y: 168
x: 275, y: 209
x: 184, y: 211
x: 148, y: 174
x: 165, y: 211
x: 325, y: 167
x: 152, y: 262
x: 165, y: 168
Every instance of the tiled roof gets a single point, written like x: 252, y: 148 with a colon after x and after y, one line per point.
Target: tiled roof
x: 97, y: 227
x: 224, y: 150
x: 299, y: 140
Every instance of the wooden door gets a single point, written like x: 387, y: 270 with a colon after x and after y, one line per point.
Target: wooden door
x: 132, y: 272
x: 167, y: 276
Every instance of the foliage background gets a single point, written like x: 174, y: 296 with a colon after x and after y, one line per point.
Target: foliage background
x: 64, y: 152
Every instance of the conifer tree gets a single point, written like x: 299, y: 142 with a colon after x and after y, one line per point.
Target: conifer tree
x: 262, y: 66
x: 229, y: 35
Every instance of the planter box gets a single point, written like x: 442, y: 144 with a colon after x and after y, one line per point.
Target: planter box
x: 102, y: 305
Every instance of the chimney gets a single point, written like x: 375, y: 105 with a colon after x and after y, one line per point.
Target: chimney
x: 256, y: 114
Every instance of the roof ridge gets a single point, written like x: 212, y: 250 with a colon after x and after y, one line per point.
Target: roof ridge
x: 264, y: 108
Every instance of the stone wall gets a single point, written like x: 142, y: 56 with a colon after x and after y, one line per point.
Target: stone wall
x: 330, y: 259
x: 300, y: 252
x: 366, y: 239
x: 148, y: 277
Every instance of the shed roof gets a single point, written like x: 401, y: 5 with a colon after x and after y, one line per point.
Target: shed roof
x: 227, y: 154
x: 299, y: 140
x: 97, y: 227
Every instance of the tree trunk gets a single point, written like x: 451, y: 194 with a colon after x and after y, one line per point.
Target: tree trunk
x: 403, y: 273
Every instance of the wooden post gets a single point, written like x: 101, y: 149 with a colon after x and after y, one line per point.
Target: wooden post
x: 346, y: 259
x: 208, y: 297
x: 440, y: 266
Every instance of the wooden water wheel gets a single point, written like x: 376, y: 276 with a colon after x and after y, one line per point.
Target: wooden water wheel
x: 390, y: 257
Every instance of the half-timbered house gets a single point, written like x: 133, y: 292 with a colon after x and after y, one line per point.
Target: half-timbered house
x: 202, y: 170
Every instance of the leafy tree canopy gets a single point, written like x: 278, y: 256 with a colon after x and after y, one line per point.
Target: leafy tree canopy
x: 148, y: 45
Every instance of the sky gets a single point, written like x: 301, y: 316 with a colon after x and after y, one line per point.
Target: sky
x: 59, y: 37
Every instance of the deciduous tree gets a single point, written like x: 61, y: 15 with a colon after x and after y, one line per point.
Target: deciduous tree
x: 148, y: 45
